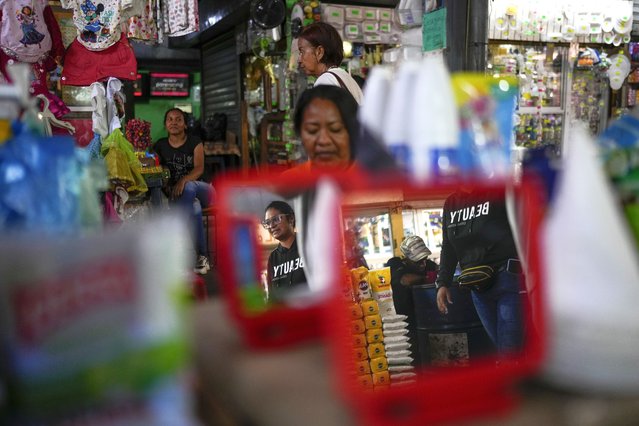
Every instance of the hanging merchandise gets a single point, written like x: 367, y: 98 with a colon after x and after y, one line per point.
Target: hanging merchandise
x: 433, y: 131
x: 100, y: 124
x: 123, y: 167
x: 486, y: 115
x: 396, y: 121
x: 589, y: 95
x: 561, y: 21
x: 97, y: 24
x: 49, y: 118
x: 47, y: 184
x: 84, y: 67
x: 140, y: 22
x: 29, y: 33
x: 409, y: 12
x: 618, y: 71
x: 114, y: 103
x: 467, y: 132
x: 540, y: 74
x: 100, y: 50
x: 586, y: 245
x: 180, y: 17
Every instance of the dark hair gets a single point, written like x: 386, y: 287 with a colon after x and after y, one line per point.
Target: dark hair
x: 343, y: 100
x: 325, y: 35
x: 283, y: 207
x: 184, y: 115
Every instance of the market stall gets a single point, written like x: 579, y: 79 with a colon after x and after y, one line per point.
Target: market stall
x: 562, y: 54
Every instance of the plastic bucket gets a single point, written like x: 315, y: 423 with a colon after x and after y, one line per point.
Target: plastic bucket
x: 453, y: 339
x: 461, y: 313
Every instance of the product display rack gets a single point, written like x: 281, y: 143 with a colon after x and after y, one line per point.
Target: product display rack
x: 541, y: 70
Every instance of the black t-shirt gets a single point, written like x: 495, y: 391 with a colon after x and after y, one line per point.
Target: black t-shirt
x: 476, y: 232
x: 179, y: 161
x: 285, y: 269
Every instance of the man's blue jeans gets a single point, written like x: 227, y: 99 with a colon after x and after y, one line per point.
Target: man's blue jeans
x: 197, y: 195
x: 500, y: 311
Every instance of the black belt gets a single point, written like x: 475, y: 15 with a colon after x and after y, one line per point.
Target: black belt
x: 511, y: 265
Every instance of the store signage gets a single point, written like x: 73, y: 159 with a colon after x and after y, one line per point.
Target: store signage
x: 141, y: 86
x: 169, y: 84
x: 434, y: 30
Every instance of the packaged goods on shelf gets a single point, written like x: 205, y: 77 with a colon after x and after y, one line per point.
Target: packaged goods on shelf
x: 381, y: 290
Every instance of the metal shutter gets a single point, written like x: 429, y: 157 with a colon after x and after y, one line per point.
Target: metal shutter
x: 221, y: 80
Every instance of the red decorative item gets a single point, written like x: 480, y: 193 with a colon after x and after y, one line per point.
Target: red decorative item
x: 138, y: 132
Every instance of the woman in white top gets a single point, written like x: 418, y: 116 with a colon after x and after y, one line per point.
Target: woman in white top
x: 320, y: 53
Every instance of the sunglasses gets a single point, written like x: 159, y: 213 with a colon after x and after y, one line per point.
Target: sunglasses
x: 274, y: 221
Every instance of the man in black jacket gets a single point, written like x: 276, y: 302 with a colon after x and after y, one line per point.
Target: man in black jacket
x: 476, y: 232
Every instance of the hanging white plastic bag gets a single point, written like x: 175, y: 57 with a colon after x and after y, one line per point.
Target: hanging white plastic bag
x: 592, y: 276
x: 409, y: 13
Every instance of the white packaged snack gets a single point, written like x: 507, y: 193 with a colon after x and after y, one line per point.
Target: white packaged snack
x: 400, y: 332
x: 398, y: 377
x: 399, y: 360
x: 395, y: 339
x: 397, y: 354
x: 394, y: 325
x: 400, y: 369
x: 394, y: 318
x: 397, y: 346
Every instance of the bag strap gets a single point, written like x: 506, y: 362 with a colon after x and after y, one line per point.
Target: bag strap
x: 339, y: 80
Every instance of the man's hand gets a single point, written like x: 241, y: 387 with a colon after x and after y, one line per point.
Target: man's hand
x: 443, y: 300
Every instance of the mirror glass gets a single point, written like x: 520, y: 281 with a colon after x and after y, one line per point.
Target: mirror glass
x: 268, y: 265
x: 397, y: 327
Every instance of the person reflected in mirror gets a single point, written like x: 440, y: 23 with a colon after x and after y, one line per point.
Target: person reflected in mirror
x: 183, y: 155
x: 321, y: 52
x: 477, y: 234
x: 414, y: 268
x: 353, y: 252
x: 285, y: 266
x: 325, y: 120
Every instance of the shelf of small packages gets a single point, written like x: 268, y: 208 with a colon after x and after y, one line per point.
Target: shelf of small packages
x: 542, y: 110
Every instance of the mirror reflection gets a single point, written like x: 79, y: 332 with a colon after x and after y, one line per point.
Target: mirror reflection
x: 440, y: 284
x: 285, y: 266
x: 280, y: 274
x: 434, y: 277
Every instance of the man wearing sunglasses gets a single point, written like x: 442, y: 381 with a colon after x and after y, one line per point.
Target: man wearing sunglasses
x: 285, y: 268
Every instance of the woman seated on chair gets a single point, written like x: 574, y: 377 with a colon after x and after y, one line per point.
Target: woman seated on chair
x: 183, y: 155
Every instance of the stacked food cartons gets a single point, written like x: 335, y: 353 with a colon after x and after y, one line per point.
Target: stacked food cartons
x: 382, y: 349
x: 394, y: 329
x: 370, y: 355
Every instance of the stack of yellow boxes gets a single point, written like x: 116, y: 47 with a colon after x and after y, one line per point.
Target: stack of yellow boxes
x: 368, y: 336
